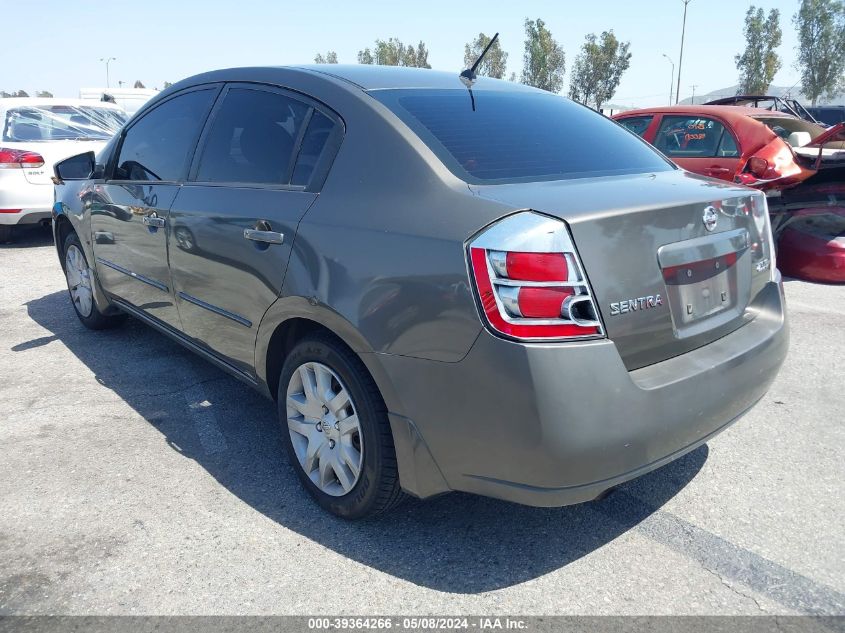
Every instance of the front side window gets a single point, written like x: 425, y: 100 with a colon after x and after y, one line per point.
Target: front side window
x: 252, y: 138
x: 636, y: 124
x: 519, y: 136
x: 689, y: 137
x: 158, y: 145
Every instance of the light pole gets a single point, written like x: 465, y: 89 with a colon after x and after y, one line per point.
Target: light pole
x: 671, y: 76
x: 107, y: 60
x: 681, y: 57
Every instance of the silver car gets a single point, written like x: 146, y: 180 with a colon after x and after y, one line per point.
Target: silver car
x: 492, y: 290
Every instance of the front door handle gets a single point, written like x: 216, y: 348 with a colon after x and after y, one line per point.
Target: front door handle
x: 154, y: 221
x: 269, y: 237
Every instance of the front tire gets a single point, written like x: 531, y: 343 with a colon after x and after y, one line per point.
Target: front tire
x: 80, y: 283
x: 336, y: 430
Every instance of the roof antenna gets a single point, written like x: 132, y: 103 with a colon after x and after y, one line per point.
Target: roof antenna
x: 468, y: 76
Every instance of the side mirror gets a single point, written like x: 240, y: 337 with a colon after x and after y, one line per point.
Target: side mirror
x: 79, y: 167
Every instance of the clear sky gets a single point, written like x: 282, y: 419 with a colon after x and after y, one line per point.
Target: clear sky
x: 59, y: 42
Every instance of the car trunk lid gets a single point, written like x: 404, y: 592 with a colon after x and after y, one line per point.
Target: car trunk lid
x: 675, y: 261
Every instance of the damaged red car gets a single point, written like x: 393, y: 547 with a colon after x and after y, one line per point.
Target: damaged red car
x: 799, y: 164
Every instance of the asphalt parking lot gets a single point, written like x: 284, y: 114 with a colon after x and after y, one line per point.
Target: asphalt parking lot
x: 137, y: 479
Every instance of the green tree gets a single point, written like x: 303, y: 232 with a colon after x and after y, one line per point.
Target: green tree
x: 139, y: 84
x: 366, y: 57
x: 759, y: 63
x: 544, y: 61
x: 394, y: 53
x: 5, y: 95
x: 598, y: 69
x: 494, y: 63
x: 821, y: 47
x: 43, y: 94
x: 21, y: 93
x: 330, y: 58
x: 167, y: 85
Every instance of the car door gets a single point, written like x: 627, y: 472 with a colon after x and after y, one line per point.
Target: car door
x: 129, y: 217
x: 233, y: 224
x: 700, y: 144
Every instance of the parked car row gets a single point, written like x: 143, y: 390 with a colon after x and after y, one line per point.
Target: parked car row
x: 799, y: 164
x: 37, y: 133
x: 444, y: 283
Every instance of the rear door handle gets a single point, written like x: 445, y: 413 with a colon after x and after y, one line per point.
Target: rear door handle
x: 269, y: 237
x: 154, y: 221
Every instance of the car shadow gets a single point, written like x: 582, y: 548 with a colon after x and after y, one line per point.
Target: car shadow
x: 456, y: 543
x: 29, y: 235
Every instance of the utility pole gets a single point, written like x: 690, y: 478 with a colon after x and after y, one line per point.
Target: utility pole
x: 120, y: 83
x: 693, y: 86
x: 671, y: 77
x: 107, y: 60
x: 681, y: 57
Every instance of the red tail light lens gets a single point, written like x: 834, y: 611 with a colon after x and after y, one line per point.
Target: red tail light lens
x: 530, y: 282
x: 19, y: 158
x: 536, y: 266
x: 542, y: 303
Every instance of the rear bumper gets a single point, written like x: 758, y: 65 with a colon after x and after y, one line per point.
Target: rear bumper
x: 551, y: 425
x: 34, y: 201
x: 25, y: 216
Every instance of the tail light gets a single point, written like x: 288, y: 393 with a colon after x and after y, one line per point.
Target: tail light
x: 758, y: 166
x: 19, y: 159
x: 530, y: 282
x: 763, y: 244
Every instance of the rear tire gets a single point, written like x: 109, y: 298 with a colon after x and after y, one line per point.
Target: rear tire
x: 324, y: 385
x: 5, y: 233
x: 80, y: 281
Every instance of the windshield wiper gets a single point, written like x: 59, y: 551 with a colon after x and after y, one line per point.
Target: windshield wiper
x: 468, y: 76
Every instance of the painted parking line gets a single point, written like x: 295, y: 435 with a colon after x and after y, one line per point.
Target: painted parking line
x: 724, y: 559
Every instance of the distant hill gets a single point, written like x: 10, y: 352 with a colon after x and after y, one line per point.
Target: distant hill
x: 776, y: 91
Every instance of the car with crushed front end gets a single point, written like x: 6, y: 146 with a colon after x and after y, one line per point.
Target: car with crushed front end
x: 444, y: 285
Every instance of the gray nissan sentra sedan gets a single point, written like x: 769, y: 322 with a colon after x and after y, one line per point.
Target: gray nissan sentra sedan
x: 496, y: 291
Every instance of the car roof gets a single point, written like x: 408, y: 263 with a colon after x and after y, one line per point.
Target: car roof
x: 365, y: 77
x: 18, y: 102
x: 373, y: 77
x: 730, y: 113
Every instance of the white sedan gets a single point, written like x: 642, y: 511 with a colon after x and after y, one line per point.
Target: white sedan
x: 36, y: 133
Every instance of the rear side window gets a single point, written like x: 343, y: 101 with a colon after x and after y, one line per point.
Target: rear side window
x: 519, y: 136
x: 636, y: 124
x: 158, y: 145
x: 314, y: 142
x: 252, y: 138
x: 691, y: 137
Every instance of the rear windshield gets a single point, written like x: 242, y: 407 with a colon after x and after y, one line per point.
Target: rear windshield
x: 61, y: 122
x: 520, y: 136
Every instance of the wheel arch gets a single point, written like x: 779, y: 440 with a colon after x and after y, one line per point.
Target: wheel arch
x: 62, y: 227
x: 291, y: 318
